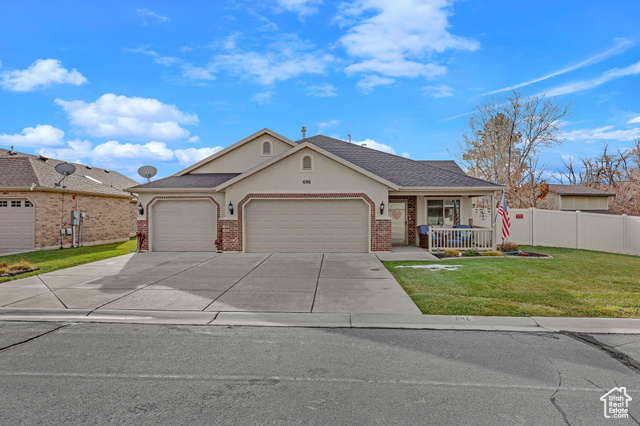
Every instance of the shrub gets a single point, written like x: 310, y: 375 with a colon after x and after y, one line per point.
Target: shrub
x: 491, y: 253
x: 471, y: 252
x: 3, y: 264
x: 507, y: 246
x: 4, y: 270
x: 21, y: 265
x: 451, y: 253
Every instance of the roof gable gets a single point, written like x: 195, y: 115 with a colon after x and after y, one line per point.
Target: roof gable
x: 404, y: 172
x: 233, y: 147
x: 301, y: 146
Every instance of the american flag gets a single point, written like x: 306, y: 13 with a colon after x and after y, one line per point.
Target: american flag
x: 506, y: 224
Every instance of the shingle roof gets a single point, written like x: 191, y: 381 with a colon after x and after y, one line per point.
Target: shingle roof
x: 578, y: 190
x: 444, y: 164
x: 399, y: 170
x: 199, y: 180
x: 21, y: 170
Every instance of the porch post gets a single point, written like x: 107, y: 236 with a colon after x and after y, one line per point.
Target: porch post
x: 494, y: 218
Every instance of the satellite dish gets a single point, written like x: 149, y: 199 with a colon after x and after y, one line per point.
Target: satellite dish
x: 147, y: 172
x: 65, y: 169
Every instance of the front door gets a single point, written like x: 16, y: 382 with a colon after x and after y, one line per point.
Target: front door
x: 398, y: 212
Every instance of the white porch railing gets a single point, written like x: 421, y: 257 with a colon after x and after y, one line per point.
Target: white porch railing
x: 441, y: 239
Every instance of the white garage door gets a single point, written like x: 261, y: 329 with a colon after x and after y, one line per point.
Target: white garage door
x: 184, y: 225
x: 16, y: 224
x: 307, y: 226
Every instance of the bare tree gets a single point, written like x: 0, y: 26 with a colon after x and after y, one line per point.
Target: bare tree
x: 504, y: 139
x: 618, y: 173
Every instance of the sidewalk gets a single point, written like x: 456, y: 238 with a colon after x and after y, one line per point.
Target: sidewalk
x: 402, y: 321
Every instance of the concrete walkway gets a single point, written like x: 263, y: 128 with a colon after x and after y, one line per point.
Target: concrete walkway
x: 400, y: 253
x: 210, y: 282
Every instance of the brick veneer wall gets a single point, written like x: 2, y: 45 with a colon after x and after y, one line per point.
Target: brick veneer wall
x: 133, y: 217
x: 143, y: 228
x: 411, y: 215
x: 231, y: 236
x: 143, y: 225
x: 107, y: 218
x: 380, y: 233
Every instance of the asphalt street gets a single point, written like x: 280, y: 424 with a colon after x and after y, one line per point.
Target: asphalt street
x: 84, y: 373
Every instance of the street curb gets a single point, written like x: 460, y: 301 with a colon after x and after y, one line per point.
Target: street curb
x: 330, y: 320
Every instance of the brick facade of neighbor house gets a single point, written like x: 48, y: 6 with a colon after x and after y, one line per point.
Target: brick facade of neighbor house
x: 380, y: 229
x: 411, y: 215
x: 107, y: 219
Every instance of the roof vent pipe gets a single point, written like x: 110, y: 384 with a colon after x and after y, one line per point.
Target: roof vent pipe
x: 349, y: 138
x: 304, y: 131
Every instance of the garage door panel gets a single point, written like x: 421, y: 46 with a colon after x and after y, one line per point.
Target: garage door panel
x: 16, y: 224
x: 307, y: 226
x: 184, y: 225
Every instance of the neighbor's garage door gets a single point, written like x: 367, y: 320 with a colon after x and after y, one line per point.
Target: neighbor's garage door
x: 184, y: 225
x: 16, y: 224
x: 307, y: 226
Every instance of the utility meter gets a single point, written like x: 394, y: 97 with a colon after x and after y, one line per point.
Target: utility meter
x: 75, y: 218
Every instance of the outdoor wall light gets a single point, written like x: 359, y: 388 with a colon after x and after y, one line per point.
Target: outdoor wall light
x: 140, y: 209
x: 382, y: 207
x: 230, y: 207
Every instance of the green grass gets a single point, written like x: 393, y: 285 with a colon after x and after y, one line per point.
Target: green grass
x: 575, y: 283
x: 52, y: 260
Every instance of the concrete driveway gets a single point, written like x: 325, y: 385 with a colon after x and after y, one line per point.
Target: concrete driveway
x: 279, y: 282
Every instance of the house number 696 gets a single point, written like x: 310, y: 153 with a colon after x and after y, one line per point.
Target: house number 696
x: 306, y: 182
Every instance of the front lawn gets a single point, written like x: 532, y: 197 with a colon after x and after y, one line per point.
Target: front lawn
x: 576, y: 283
x: 52, y: 260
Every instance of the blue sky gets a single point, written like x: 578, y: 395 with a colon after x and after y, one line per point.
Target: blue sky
x: 122, y: 84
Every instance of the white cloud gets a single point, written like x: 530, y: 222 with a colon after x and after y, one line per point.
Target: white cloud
x: 398, y: 39
x: 150, y: 16
x: 325, y: 124
x: 114, y: 152
x: 41, y: 135
x: 602, y: 133
x: 132, y: 118
x: 189, y: 70
x: 367, y: 83
x: 264, y: 97
x: 370, y: 143
x: 194, y: 139
x: 578, y: 86
x: 41, y: 73
x: 439, y: 91
x: 300, y: 7
x: 406, y: 155
x: 285, y: 58
x: 621, y: 45
x: 634, y: 120
x: 190, y: 156
x: 322, y: 90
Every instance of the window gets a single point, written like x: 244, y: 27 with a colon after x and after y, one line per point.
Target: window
x: 443, y: 212
x: 307, y: 163
x: 16, y: 203
x: 4, y: 203
x: 28, y: 204
x: 266, y: 148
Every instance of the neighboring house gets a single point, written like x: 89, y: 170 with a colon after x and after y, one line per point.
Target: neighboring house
x: 267, y: 193
x: 578, y: 197
x: 34, y: 210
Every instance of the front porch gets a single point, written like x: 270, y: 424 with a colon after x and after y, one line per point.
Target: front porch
x: 437, y: 222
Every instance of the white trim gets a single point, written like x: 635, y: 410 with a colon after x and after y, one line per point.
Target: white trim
x: 238, y: 144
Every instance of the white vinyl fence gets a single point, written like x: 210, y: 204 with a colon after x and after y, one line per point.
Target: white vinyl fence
x: 589, y: 231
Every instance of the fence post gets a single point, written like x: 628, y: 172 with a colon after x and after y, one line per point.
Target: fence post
x: 624, y: 233
x: 530, y: 226
x: 533, y: 227
x: 578, y: 214
x: 429, y: 236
